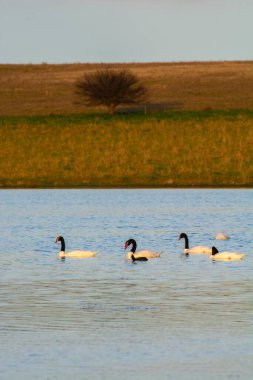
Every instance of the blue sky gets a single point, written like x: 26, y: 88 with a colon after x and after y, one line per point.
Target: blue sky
x: 60, y: 31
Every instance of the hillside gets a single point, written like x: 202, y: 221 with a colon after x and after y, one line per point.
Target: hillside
x: 50, y: 89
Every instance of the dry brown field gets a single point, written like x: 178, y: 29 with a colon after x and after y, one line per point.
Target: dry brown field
x: 50, y: 89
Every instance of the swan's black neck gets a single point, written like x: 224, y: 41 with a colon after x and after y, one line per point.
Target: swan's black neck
x: 214, y: 251
x: 186, y: 240
x: 134, y: 245
x: 138, y: 258
x: 62, y: 243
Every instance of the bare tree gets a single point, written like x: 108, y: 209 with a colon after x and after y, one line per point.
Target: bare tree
x: 111, y: 88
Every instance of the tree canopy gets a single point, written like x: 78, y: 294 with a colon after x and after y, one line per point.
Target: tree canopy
x: 111, y: 88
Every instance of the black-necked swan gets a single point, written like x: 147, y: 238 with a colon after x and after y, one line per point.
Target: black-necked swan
x: 216, y: 255
x: 147, y: 254
x: 221, y: 236
x: 196, y: 249
x: 78, y: 254
x: 138, y: 258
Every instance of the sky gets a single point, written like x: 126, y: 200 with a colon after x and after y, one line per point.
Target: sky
x: 68, y: 31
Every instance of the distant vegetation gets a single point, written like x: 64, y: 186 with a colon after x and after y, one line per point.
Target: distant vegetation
x: 203, y: 137
x: 111, y: 88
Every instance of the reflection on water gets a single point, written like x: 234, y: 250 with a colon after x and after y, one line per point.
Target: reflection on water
x: 176, y: 317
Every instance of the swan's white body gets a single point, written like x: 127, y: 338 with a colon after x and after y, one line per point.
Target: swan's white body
x: 216, y: 255
x: 147, y: 254
x: 78, y: 254
x: 198, y: 249
x: 226, y: 256
x: 221, y: 236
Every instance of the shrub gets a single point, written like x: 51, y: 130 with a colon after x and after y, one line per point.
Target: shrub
x: 111, y: 88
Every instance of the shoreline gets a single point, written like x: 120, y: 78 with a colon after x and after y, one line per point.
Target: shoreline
x: 133, y: 188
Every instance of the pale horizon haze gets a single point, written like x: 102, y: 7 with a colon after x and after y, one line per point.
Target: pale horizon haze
x: 68, y: 31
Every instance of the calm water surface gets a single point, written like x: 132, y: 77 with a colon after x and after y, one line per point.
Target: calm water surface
x: 176, y: 317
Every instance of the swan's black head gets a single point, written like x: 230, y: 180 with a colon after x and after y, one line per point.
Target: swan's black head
x: 214, y: 251
x: 129, y: 242
x: 59, y: 238
x: 182, y: 236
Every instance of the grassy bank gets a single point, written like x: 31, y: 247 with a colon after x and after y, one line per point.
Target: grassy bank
x: 167, y: 149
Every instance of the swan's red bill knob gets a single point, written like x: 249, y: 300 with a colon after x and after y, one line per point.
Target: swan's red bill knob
x: 126, y: 245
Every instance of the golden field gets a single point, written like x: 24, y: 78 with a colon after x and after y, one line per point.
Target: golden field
x: 165, y: 150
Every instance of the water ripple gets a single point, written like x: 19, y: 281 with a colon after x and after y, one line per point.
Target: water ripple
x: 176, y: 315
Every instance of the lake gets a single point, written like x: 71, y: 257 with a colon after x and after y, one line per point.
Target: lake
x: 176, y: 317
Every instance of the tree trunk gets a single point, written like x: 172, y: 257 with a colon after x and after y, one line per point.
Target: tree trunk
x: 111, y: 108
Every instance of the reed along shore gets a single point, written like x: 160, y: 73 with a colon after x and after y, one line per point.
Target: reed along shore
x: 174, y: 149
